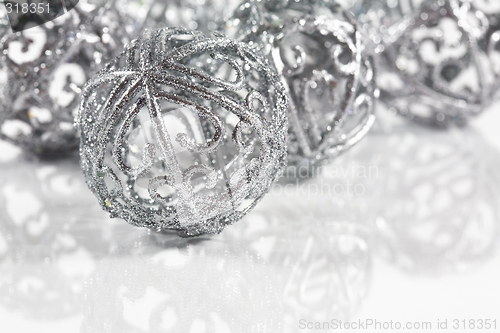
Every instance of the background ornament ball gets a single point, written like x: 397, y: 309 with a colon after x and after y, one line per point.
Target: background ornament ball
x: 4, y: 23
x: 43, y: 68
x: 183, y: 131
x: 439, y: 60
x: 325, y: 67
x: 434, y: 207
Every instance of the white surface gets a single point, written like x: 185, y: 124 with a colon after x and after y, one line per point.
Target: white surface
x: 409, y: 246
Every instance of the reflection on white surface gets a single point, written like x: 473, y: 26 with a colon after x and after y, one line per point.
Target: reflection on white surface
x: 430, y: 208
x: 256, y: 284
x: 47, y: 241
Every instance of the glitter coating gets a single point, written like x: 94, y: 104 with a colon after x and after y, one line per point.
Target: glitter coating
x: 183, y: 131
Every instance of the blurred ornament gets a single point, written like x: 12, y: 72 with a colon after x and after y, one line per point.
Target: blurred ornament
x: 223, y: 104
x: 439, y: 60
x: 321, y: 57
x: 181, y: 285
x: 201, y: 15
x: 47, y: 224
x: 43, y: 68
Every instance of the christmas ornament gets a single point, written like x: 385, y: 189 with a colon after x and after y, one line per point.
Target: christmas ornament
x: 183, y: 131
x: 323, y: 63
x: 43, y: 69
x: 439, y: 60
x: 434, y: 205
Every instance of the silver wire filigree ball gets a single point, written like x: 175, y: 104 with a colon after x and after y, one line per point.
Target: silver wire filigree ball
x: 183, y: 131
x: 439, y: 60
x: 43, y: 68
x: 434, y: 204
x: 329, y: 77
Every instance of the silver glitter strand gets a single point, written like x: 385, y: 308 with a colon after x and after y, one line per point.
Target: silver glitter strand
x: 183, y: 131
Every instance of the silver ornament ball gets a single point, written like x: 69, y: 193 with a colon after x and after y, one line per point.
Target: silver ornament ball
x: 183, y: 132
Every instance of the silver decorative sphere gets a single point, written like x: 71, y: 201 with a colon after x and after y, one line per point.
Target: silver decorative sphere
x: 323, y: 62
x: 439, y: 60
x: 42, y: 71
x: 46, y: 226
x: 183, y: 131
x: 434, y: 204
x: 201, y: 15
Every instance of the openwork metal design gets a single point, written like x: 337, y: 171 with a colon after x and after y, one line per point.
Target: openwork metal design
x: 42, y: 70
x: 440, y: 60
x: 323, y: 62
x: 223, y: 104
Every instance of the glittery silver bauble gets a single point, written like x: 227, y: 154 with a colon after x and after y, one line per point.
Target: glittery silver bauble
x: 42, y: 70
x: 223, y: 104
x: 321, y: 57
x: 46, y: 225
x: 439, y: 60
